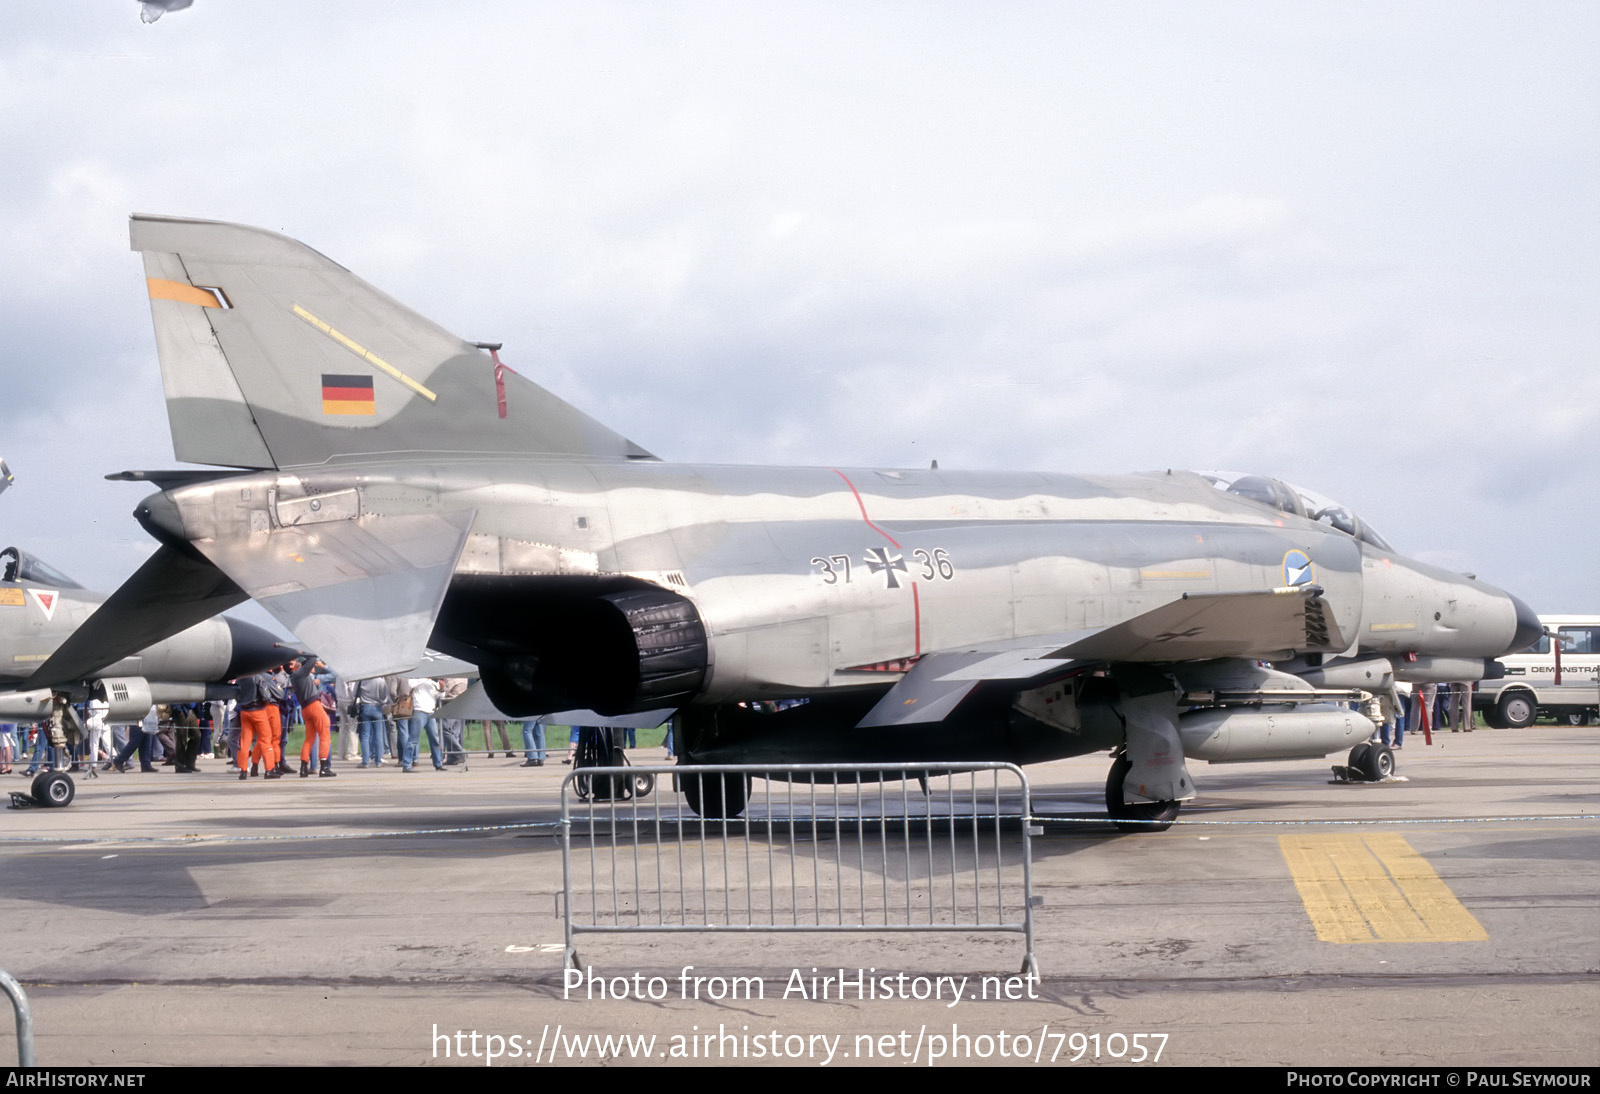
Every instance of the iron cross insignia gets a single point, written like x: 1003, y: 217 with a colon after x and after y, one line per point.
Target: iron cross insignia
x: 879, y: 559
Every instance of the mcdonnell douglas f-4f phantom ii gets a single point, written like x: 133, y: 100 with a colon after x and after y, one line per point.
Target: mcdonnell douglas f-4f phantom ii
x: 391, y: 486
x: 41, y: 610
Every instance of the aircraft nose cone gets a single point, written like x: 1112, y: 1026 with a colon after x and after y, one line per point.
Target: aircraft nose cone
x: 1528, y: 628
x: 255, y: 649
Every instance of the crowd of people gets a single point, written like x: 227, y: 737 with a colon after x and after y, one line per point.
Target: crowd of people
x: 381, y: 721
x: 1437, y: 706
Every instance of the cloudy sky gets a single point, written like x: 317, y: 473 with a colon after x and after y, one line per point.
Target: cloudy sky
x: 1352, y: 245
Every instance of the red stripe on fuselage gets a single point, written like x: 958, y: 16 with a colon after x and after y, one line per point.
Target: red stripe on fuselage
x: 916, y: 600
x: 863, y: 507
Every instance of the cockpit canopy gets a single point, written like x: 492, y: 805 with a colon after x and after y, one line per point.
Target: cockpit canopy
x: 1288, y: 498
x: 16, y: 566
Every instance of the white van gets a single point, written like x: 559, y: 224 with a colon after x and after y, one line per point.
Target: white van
x: 1557, y: 678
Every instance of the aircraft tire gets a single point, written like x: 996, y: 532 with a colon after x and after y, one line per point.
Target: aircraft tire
x: 1357, y: 760
x: 53, y: 790
x: 1136, y: 816
x: 715, y: 797
x: 1516, y: 710
x: 1378, y: 763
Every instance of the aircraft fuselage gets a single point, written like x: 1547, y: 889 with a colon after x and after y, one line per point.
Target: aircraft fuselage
x: 807, y: 579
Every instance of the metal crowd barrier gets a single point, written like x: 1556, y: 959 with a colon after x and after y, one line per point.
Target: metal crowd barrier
x: 19, y: 1003
x: 819, y: 847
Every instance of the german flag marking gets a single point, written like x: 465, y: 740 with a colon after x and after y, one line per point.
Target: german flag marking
x: 342, y: 394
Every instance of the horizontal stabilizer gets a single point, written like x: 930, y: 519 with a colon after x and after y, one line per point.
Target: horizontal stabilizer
x: 362, y: 593
x: 170, y: 593
x: 274, y: 356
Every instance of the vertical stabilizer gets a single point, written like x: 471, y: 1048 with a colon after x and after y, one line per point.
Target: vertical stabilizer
x: 274, y: 356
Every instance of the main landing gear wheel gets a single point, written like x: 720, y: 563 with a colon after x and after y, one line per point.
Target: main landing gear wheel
x: 715, y: 796
x: 53, y: 789
x: 1136, y: 816
x: 1516, y: 711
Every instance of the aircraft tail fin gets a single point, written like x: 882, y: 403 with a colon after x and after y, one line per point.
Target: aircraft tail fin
x: 273, y: 356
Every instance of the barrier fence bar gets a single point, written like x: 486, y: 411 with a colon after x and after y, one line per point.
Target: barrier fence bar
x: 19, y: 1003
x: 960, y: 859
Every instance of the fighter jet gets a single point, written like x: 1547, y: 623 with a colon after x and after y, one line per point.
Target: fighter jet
x: 392, y: 486
x: 40, y: 608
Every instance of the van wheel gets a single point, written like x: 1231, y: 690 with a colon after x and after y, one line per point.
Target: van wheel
x: 1516, y: 710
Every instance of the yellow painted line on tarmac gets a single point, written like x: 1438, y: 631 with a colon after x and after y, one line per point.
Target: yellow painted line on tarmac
x: 1375, y: 888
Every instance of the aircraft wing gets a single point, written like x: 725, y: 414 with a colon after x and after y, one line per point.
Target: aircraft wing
x: 1195, y: 627
x: 1199, y: 626
x: 170, y: 593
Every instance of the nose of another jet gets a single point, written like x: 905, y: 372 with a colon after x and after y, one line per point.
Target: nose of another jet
x: 1528, y: 627
x: 255, y: 649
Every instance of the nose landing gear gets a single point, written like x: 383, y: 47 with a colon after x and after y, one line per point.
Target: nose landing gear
x: 1370, y: 761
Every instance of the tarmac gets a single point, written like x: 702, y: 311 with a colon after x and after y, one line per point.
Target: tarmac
x: 384, y: 918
